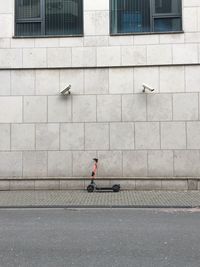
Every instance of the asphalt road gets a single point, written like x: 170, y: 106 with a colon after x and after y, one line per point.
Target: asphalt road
x: 99, y: 238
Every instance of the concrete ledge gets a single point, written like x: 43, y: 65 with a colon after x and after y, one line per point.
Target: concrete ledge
x: 139, y: 184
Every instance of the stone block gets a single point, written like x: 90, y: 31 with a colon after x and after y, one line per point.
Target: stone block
x: 122, y: 136
x: 147, y: 135
x: 10, y: 164
x: 22, y: 43
x: 22, y: 185
x: 148, y: 185
x: 73, y: 77
x: 121, y: 40
x: 47, y: 82
x: 147, y: 75
x: 173, y: 135
x: 72, y: 136
x: 198, y: 185
x: 134, y: 164
x: 5, y: 82
x: 22, y: 82
x: 96, y: 23
x: 59, y: 109
x: 192, y: 37
x: 193, y: 136
x: 96, y: 81
x: 110, y: 164
x: 159, y: 54
x: 172, y: 79
x: 96, y: 136
x: 190, y: 19
x: 34, y: 57
x: 160, y: 163
x: 71, y: 42
x: 5, y: 43
x: 59, y: 57
x: 47, y: 185
x: 171, y: 38
x: 133, y: 55
x: 6, y: 7
x: 72, y: 185
x: 46, y: 42
x: 192, y: 184
x: 35, y: 164
x: 192, y: 78
x: 185, y: 53
x: 59, y: 164
x: 35, y: 109
x: 4, y: 137
x: 6, y: 25
x: 10, y: 109
x: 121, y: 80
x: 23, y: 137
x: 108, y: 108
x: 146, y: 39
x: 47, y: 136
x: 83, y: 56
x: 159, y: 107
x: 4, y: 185
x: 185, y: 106
x: 83, y: 163
x: 174, y: 185
x: 108, y: 56
x: 96, y: 5
x: 125, y: 184
x: 190, y: 3
x: 84, y: 108
x: 134, y: 107
x: 95, y: 41
x: 10, y: 58
x: 186, y: 163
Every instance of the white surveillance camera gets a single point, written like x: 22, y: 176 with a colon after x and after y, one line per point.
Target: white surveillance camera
x: 146, y: 87
x: 66, y: 91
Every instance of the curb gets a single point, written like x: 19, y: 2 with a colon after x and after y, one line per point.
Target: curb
x: 99, y: 207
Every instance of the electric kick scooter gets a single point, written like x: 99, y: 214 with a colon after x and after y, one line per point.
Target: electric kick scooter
x: 93, y: 187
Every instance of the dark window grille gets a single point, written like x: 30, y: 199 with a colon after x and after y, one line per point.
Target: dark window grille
x: 48, y: 17
x: 144, y: 16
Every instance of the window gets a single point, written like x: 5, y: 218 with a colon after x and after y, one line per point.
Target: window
x: 48, y: 17
x: 137, y: 16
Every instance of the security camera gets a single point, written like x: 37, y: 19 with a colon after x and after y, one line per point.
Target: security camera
x: 146, y: 87
x: 66, y: 91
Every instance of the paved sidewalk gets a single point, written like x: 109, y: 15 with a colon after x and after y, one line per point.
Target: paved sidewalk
x: 83, y: 199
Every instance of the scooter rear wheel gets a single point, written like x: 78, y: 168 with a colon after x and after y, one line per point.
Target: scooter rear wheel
x: 116, y: 188
x: 90, y: 188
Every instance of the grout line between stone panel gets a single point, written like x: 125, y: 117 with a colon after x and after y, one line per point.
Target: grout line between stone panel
x: 10, y: 126
x: 172, y: 97
x: 147, y: 163
x: 160, y: 134
x: 35, y: 135
x: 184, y: 72
x: 173, y: 163
x: 23, y: 109
x: 109, y: 136
x: 47, y: 108
x: 121, y: 107
x: 84, y: 135
x: 159, y: 83
x: 186, y: 141
x: 198, y: 107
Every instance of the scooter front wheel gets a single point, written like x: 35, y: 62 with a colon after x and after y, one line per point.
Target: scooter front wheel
x: 90, y: 188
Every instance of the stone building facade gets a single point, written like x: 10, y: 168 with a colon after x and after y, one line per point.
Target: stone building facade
x: 146, y: 140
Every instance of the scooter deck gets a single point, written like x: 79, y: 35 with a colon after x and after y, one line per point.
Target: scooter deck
x: 104, y: 188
